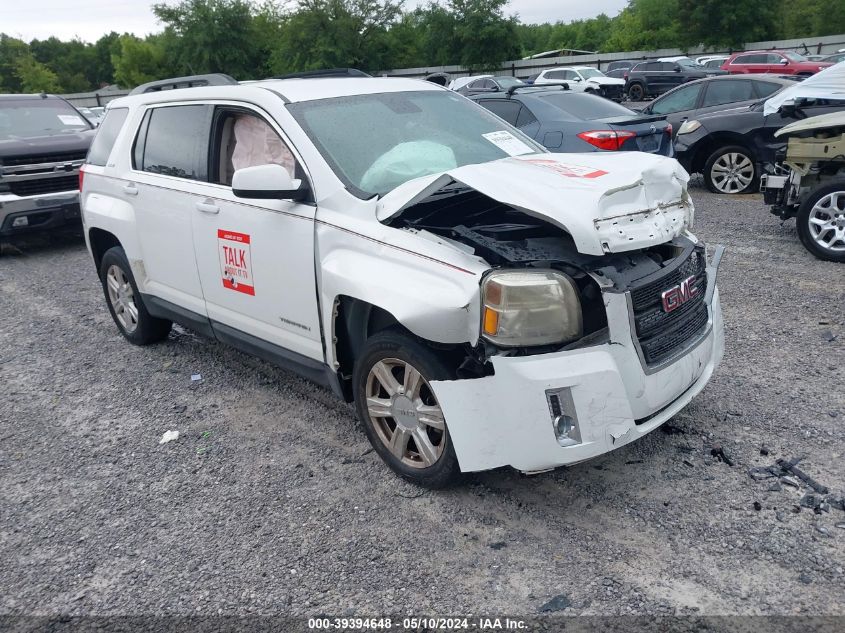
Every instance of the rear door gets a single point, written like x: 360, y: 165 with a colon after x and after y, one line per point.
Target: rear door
x: 256, y: 257
x: 169, y: 169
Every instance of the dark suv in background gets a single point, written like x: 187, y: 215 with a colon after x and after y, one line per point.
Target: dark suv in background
x: 649, y: 79
x: 43, y: 142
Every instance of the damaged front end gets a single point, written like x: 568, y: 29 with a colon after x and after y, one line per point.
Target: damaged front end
x: 648, y: 332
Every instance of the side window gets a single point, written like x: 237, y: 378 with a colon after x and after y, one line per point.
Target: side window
x: 526, y: 117
x: 744, y: 59
x: 173, y: 141
x: 682, y: 99
x: 766, y: 88
x: 243, y: 139
x: 774, y: 58
x: 106, y: 136
x: 728, y: 91
x: 506, y: 109
x: 556, y: 74
x: 669, y: 67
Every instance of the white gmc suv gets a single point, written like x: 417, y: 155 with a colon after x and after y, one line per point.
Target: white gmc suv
x: 484, y: 303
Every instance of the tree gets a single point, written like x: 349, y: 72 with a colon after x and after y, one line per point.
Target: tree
x: 11, y: 50
x: 138, y: 61
x: 35, y: 76
x: 726, y: 22
x: 484, y: 36
x: 336, y: 33
x: 210, y: 36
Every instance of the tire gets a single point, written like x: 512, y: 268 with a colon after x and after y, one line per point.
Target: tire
x: 125, y: 303
x: 731, y: 170
x: 636, y: 92
x: 824, y: 205
x: 382, y: 364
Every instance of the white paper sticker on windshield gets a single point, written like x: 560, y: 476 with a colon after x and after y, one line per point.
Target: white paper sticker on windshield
x: 508, y: 143
x: 70, y: 119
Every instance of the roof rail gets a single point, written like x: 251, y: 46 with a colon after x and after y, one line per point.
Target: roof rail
x: 192, y: 81
x: 562, y: 84
x: 324, y: 72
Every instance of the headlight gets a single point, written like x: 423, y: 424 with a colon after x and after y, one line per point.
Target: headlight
x: 522, y: 309
x: 689, y: 126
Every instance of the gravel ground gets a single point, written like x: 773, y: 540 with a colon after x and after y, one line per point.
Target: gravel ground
x: 271, y: 501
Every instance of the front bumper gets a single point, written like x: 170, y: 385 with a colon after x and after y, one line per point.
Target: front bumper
x: 19, y: 215
x: 506, y: 419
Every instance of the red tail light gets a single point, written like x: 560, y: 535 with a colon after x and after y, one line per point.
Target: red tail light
x: 668, y: 129
x: 606, y: 139
x: 81, y: 178
x: 625, y: 75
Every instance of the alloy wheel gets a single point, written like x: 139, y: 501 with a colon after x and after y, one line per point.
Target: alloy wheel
x: 404, y: 412
x: 827, y: 222
x: 732, y: 172
x: 122, y: 298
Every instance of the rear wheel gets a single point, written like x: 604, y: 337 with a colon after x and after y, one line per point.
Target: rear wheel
x: 125, y: 303
x: 401, y: 415
x: 731, y: 169
x: 821, y: 222
x: 636, y: 92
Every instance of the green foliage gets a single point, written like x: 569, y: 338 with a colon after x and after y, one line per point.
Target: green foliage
x: 35, y: 76
x: 726, y: 22
x: 138, y: 61
x: 251, y: 39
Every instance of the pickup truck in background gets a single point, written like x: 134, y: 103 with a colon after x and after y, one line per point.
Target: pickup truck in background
x: 43, y: 142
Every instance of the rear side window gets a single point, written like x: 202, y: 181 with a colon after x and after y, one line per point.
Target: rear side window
x: 106, y: 136
x: 508, y: 110
x: 766, y: 88
x: 173, y: 141
x: 728, y: 91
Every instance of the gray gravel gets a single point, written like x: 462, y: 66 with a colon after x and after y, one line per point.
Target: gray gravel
x: 271, y: 502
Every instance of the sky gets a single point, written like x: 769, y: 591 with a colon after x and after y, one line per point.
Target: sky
x: 90, y: 19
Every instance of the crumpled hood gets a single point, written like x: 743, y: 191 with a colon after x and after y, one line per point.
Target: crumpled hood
x: 608, y: 202
x: 606, y: 81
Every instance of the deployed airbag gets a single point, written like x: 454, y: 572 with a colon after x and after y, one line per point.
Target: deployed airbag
x: 406, y: 161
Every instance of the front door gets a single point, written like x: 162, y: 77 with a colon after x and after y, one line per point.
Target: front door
x: 256, y: 257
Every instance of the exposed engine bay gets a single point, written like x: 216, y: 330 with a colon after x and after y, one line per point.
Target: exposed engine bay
x: 509, y: 238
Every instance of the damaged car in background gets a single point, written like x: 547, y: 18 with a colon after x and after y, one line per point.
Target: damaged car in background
x: 484, y: 303
x: 809, y: 183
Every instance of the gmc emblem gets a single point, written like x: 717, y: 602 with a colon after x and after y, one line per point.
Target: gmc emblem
x: 678, y: 295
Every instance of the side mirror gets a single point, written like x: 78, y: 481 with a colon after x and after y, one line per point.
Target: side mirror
x: 267, y: 182
x: 784, y: 62
x: 576, y: 79
x: 677, y: 69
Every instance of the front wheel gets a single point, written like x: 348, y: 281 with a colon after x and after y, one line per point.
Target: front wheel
x: 401, y: 415
x: 731, y: 169
x: 821, y: 222
x: 636, y: 92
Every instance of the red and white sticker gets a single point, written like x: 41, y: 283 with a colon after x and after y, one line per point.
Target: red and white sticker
x: 235, y: 261
x: 570, y: 171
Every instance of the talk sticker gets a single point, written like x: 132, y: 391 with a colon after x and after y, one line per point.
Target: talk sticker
x: 235, y: 261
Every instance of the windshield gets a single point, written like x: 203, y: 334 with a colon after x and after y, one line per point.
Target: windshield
x: 22, y: 118
x: 376, y: 142
x: 794, y: 56
x: 586, y: 73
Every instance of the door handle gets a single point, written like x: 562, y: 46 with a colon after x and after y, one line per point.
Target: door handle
x: 208, y: 207
x: 130, y: 189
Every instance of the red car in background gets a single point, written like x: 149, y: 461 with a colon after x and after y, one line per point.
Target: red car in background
x: 775, y: 62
